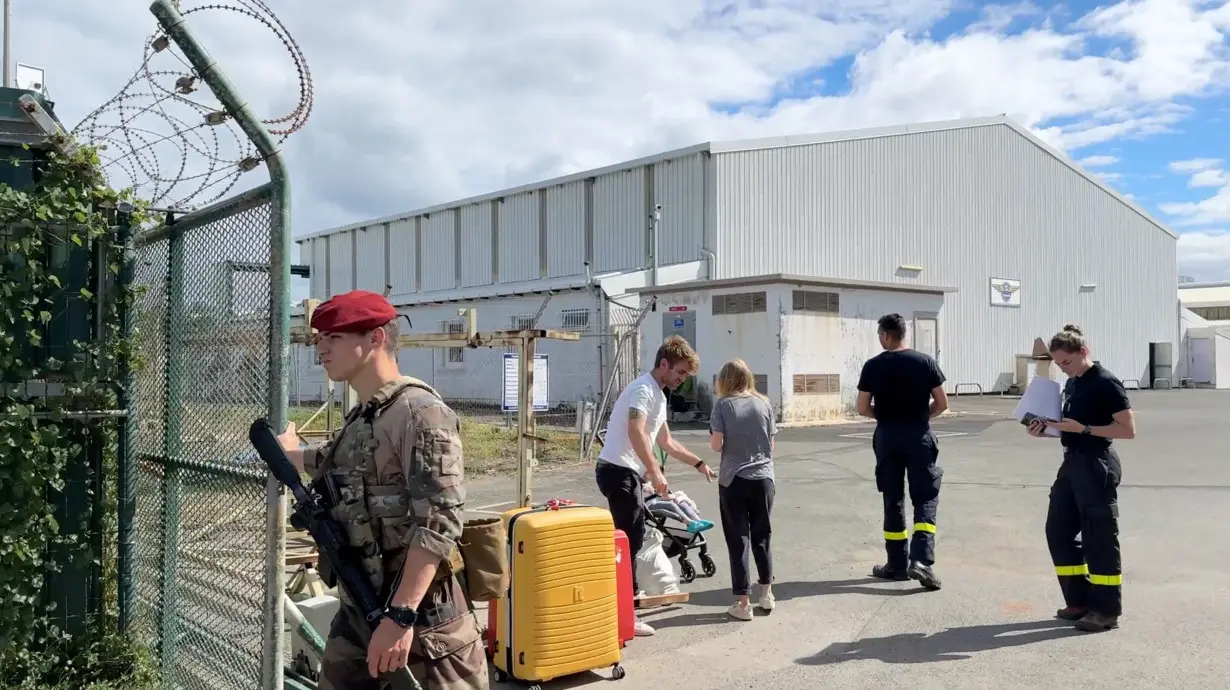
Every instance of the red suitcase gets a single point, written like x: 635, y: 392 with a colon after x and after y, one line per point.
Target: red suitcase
x: 624, y: 562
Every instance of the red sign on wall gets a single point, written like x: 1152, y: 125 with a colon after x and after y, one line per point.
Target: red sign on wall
x: 678, y: 309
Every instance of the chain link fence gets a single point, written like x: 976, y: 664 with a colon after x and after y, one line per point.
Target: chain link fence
x: 204, y: 524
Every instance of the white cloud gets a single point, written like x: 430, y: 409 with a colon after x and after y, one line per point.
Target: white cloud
x: 1194, y: 165
x: 1204, y: 173
x: 1205, y: 255
x: 423, y: 102
x: 1098, y: 161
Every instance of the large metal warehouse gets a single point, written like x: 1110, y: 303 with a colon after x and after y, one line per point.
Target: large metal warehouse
x: 783, y: 251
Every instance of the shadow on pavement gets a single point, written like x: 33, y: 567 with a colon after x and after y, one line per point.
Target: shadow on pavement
x: 784, y: 591
x: 952, y: 644
x: 579, y: 680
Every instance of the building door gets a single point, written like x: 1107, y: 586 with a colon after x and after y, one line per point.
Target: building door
x: 1200, y: 354
x: 926, y: 333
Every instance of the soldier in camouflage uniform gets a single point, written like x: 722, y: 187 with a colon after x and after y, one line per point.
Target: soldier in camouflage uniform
x: 399, y: 468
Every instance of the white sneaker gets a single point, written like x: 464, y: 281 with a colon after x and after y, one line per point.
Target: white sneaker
x: 739, y: 611
x: 642, y: 629
x: 767, y: 602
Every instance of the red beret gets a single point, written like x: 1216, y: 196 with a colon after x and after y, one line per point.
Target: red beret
x: 359, y: 311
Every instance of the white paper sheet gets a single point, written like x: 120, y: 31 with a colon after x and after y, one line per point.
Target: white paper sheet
x: 1041, y: 398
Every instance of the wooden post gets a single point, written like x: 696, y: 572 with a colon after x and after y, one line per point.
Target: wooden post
x: 525, y: 420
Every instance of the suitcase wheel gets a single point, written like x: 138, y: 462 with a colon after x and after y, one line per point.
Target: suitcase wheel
x: 618, y: 672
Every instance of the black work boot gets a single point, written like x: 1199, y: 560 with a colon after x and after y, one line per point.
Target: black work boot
x: 925, y: 575
x: 888, y: 572
x: 1072, y: 613
x: 1097, y: 622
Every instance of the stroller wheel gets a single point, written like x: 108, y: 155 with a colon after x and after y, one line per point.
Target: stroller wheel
x: 707, y: 566
x: 686, y: 572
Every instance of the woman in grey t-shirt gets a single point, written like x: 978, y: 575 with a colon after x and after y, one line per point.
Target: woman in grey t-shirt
x: 742, y: 430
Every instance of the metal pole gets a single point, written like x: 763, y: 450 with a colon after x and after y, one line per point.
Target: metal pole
x: 8, y: 43
x: 126, y: 482
x: 172, y: 23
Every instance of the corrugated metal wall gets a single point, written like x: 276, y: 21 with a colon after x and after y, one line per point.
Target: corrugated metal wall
x: 967, y: 205
x: 402, y: 255
x: 370, y: 250
x: 621, y: 221
x: 438, y: 245
x: 679, y: 185
x: 544, y: 233
x: 476, y: 247
x: 341, y: 263
x: 566, y: 230
x: 519, y: 238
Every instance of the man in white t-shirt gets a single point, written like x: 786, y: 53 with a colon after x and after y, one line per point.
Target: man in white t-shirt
x: 627, y: 460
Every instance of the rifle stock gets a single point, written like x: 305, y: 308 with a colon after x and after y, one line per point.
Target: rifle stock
x: 311, y: 513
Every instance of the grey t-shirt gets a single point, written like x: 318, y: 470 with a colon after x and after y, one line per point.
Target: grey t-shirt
x: 747, y: 424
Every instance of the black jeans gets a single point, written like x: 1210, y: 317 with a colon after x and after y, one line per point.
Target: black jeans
x: 746, y: 506
x: 1084, y: 501
x: 625, y: 496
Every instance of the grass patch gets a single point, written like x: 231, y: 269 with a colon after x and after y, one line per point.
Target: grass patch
x: 492, y: 449
x: 490, y: 446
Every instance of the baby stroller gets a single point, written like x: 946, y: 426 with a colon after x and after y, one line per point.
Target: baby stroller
x: 679, y: 533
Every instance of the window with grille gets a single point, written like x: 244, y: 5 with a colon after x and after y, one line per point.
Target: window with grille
x: 574, y: 320
x: 760, y: 381
x: 741, y: 303
x: 815, y: 302
x: 522, y: 322
x: 456, y: 355
x: 817, y: 384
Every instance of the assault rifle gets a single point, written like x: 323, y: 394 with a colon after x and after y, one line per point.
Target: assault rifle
x: 311, y: 513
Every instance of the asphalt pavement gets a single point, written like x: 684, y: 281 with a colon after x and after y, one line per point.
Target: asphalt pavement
x: 992, y: 623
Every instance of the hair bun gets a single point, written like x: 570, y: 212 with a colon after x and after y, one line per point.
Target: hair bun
x: 1072, y: 329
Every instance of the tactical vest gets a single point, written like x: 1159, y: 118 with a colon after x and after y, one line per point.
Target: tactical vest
x: 375, y: 513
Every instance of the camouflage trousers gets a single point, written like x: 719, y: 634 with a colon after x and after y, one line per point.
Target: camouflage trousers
x: 445, y: 655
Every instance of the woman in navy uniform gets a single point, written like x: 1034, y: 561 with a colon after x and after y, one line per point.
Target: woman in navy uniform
x: 1084, y: 498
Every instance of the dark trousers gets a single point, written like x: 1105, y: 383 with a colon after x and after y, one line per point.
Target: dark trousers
x: 911, y: 453
x: 625, y: 496
x: 1085, y: 501
x: 746, y: 506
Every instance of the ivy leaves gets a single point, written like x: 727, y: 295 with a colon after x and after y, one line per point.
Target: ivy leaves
x: 51, y: 235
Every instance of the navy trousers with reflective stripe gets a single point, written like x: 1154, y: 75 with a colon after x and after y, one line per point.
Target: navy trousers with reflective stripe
x: 1082, y: 530
x: 902, y: 454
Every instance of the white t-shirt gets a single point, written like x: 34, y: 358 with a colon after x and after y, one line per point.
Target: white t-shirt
x: 643, y: 394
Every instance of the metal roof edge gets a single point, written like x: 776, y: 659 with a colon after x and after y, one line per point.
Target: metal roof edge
x: 792, y: 279
x: 756, y: 143
x: 529, y: 187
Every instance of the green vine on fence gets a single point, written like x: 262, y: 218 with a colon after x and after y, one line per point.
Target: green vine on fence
x: 47, y: 230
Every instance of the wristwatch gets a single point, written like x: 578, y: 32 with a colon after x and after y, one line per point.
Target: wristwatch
x: 402, y: 616
x: 1087, y: 430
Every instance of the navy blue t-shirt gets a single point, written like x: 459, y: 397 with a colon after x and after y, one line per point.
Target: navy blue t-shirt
x: 900, y: 384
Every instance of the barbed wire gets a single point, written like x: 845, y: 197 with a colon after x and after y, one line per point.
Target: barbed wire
x: 180, y: 152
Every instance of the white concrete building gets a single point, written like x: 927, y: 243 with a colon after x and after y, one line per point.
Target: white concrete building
x: 977, y: 232
x: 1204, y: 354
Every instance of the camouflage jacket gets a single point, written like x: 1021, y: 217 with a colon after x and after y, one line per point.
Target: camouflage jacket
x: 403, y: 475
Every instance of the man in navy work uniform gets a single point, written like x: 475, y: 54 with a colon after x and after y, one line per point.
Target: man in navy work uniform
x: 902, y: 389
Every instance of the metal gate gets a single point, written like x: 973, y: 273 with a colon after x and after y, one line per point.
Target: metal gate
x: 205, y: 580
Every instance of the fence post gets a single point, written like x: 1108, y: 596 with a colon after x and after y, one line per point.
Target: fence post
x: 279, y: 314
x: 168, y: 632
x: 125, y: 490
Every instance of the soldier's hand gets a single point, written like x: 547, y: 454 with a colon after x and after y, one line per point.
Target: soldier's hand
x: 289, y: 439
x: 389, y: 649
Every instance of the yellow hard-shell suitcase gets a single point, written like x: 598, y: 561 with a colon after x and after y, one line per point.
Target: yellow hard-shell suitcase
x: 564, y: 616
